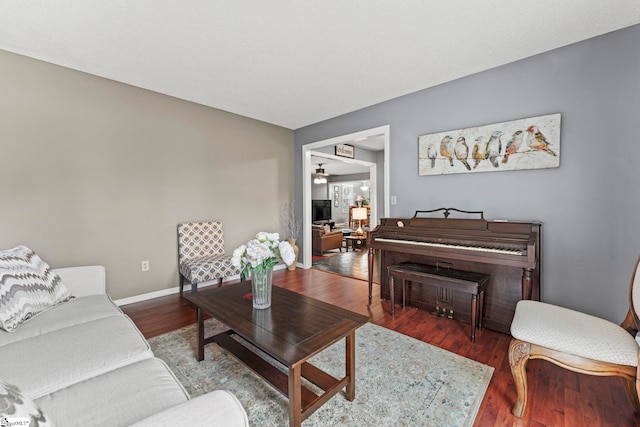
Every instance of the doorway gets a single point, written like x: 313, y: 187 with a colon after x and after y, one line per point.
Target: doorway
x: 377, y: 180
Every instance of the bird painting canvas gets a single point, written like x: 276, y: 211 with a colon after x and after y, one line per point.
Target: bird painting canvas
x: 531, y: 143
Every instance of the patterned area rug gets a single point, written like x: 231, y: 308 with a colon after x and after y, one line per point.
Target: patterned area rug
x: 400, y: 381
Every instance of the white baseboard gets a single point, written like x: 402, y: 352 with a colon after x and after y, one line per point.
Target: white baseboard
x: 187, y: 287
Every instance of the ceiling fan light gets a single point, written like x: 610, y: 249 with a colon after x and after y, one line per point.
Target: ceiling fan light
x: 320, y: 176
x: 319, y: 179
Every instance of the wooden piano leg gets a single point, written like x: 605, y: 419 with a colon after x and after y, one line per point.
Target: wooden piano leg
x: 527, y: 283
x: 392, y: 283
x: 370, y: 275
x: 480, y: 308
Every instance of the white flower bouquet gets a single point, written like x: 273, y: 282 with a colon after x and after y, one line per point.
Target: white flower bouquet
x: 262, y: 253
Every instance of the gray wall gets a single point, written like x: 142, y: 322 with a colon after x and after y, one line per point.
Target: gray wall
x: 589, y: 206
x: 97, y: 172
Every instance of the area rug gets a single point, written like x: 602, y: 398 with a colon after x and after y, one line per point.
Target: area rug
x: 400, y: 381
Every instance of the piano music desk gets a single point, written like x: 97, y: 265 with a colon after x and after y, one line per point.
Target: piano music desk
x: 462, y: 281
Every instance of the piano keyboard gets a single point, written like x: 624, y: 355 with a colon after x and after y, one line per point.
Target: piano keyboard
x: 452, y: 246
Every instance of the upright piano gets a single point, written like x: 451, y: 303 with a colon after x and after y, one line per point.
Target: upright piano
x: 508, y: 251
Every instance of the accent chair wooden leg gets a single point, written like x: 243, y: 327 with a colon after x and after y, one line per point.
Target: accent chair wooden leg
x: 220, y: 282
x: 519, y: 354
x: 181, y: 283
x: 638, y: 382
x: 194, y: 287
x: 633, y: 388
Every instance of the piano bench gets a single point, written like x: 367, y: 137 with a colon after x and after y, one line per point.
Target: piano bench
x: 456, y: 280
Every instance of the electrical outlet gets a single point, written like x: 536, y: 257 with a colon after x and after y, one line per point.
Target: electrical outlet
x: 145, y: 265
x: 394, y: 200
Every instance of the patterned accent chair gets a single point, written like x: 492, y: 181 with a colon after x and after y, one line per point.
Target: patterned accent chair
x: 577, y: 342
x: 201, y: 254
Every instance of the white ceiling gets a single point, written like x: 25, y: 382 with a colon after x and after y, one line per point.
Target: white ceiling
x: 343, y: 166
x: 295, y: 63
x: 335, y: 167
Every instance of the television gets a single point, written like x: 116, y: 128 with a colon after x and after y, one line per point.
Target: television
x: 320, y: 210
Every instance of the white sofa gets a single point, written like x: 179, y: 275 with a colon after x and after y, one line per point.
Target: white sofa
x: 84, y: 363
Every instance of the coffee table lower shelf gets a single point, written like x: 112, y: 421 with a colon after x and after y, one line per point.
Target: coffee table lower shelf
x: 302, y: 401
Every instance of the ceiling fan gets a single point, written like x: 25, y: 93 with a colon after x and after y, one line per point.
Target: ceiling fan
x: 320, y: 176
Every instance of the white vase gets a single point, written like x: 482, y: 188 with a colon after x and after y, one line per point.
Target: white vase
x: 261, y: 280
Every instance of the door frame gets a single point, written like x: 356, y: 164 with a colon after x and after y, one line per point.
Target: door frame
x: 307, y: 170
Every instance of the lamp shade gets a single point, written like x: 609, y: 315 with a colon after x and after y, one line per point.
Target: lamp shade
x: 359, y: 213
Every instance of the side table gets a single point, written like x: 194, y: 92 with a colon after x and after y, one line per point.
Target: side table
x: 356, y: 242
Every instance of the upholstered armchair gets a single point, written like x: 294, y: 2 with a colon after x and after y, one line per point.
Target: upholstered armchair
x: 201, y: 254
x: 576, y: 341
x: 323, y: 240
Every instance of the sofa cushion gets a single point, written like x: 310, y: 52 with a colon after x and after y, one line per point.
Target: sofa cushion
x: 84, y: 281
x: 74, y: 312
x: 220, y: 407
x: 27, y: 287
x: 49, y: 362
x: 117, y: 398
x: 16, y: 408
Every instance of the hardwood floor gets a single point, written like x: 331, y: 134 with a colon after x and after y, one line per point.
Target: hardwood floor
x: 557, y: 397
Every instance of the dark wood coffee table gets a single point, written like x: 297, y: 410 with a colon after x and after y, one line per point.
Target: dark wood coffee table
x: 291, y: 331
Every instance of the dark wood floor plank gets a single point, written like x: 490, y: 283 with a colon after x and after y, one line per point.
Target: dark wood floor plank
x: 556, y: 397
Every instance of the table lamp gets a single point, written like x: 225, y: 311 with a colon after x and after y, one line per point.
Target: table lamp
x: 359, y: 214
